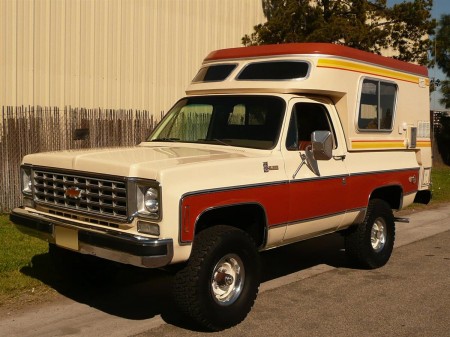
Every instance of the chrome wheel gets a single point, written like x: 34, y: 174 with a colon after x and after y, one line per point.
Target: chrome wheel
x: 227, y: 279
x: 218, y: 286
x: 378, y: 235
x: 370, y: 244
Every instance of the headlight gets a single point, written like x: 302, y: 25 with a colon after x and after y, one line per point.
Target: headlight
x: 151, y: 200
x: 148, y: 199
x: 144, y: 199
x: 27, y: 184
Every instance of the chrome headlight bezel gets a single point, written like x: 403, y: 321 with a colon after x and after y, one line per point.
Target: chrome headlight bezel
x: 26, y: 173
x: 145, y: 199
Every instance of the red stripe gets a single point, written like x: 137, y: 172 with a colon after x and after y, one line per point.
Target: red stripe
x: 315, y: 48
x: 297, y: 201
x: 361, y: 186
x: 271, y: 197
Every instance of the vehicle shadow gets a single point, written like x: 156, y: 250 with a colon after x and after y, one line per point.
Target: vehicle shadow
x: 327, y: 249
x: 138, y: 294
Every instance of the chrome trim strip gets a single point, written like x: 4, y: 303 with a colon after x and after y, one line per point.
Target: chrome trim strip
x: 231, y: 188
x: 386, y: 171
x: 101, y: 242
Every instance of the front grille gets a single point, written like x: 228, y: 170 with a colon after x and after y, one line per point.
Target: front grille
x: 101, y: 196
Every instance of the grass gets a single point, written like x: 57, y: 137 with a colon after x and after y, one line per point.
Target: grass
x: 24, y: 262
x: 16, y: 253
x: 441, y: 184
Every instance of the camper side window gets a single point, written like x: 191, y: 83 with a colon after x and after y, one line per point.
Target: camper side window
x: 377, y: 105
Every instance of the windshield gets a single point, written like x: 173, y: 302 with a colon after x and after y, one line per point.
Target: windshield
x: 244, y: 121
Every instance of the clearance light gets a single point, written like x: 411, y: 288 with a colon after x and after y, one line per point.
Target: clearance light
x: 148, y: 228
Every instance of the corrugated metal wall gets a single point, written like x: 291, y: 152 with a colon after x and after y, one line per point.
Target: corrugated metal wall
x: 114, y: 54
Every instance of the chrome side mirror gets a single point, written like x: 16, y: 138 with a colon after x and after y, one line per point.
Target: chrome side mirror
x: 321, y: 148
x: 322, y: 145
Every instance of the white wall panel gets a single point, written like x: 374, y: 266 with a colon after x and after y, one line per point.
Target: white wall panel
x: 119, y: 54
x: 8, y: 60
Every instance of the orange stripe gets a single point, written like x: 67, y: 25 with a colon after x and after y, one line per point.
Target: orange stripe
x: 385, y: 144
x: 370, y: 69
x: 379, y: 144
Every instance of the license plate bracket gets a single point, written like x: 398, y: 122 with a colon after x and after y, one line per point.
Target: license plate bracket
x: 66, y: 237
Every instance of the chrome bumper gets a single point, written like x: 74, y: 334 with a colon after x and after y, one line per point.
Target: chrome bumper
x: 87, y: 239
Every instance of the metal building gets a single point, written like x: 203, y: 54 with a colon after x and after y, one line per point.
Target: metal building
x: 112, y: 54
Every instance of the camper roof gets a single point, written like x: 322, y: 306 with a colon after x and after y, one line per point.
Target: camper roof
x: 314, y: 49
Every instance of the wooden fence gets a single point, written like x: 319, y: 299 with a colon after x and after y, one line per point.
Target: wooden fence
x: 25, y: 130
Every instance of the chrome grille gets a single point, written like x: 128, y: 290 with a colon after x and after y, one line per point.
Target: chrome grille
x: 100, y: 196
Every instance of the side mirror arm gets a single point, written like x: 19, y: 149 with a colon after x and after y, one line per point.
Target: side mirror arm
x: 321, y: 149
x: 308, y: 159
x: 303, y: 158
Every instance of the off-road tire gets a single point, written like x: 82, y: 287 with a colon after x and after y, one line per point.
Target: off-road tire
x: 369, y: 245
x: 195, y: 286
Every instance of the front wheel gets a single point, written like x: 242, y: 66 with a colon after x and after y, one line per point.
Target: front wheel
x: 219, y: 285
x: 370, y: 243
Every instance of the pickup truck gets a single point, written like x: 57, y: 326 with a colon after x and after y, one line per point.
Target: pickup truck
x: 271, y: 145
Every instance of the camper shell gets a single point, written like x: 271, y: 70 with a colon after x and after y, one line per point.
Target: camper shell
x: 334, y: 71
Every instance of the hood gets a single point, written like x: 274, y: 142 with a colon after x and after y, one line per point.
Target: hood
x: 131, y: 162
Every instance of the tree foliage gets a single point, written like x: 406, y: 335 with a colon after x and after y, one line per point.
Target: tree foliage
x: 363, y: 24
x: 445, y: 90
x: 443, y: 139
x: 442, y: 44
x: 441, y: 52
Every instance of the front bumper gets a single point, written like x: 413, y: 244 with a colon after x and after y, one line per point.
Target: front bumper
x: 105, y: 243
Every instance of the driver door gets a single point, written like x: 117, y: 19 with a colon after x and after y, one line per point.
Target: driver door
x: 317, y: 201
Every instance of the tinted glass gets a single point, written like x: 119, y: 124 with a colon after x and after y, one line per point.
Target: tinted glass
x: 280, y: 70
x: 213, y: 73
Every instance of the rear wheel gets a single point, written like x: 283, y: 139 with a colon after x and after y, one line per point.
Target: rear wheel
x: 370, y: 244
x: 219, y: 285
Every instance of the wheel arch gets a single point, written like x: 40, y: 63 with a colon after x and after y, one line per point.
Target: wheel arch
x: 250, y: 217
x: 392, y: 194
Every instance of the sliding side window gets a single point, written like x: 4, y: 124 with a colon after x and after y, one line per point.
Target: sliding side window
x: 377, y: 105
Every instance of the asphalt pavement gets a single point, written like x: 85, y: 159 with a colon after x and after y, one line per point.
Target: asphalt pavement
x: 408, y: 297
x: 308, y: 289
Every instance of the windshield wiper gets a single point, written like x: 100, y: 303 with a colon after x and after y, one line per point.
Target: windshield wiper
x: 220, y: 141
x: 165, y: 139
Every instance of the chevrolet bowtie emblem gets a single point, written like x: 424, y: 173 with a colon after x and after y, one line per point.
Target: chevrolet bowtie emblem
x: 73, y: 192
